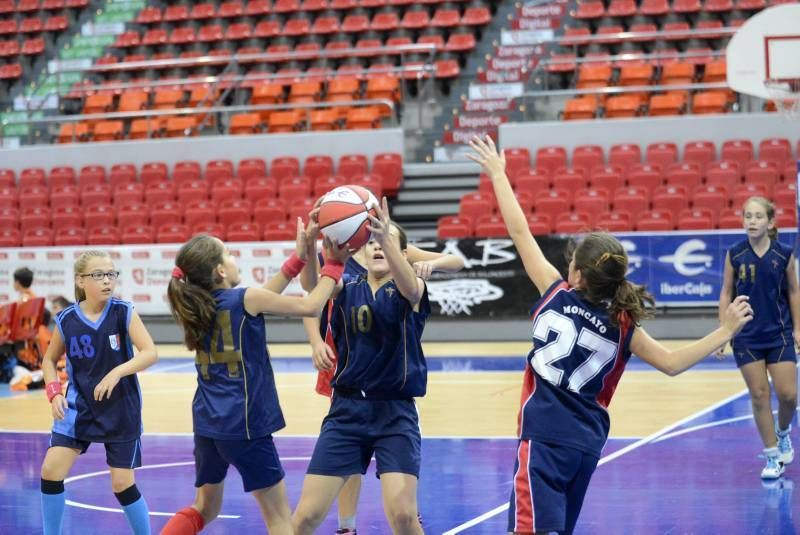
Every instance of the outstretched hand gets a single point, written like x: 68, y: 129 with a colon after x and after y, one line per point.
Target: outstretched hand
x: 738, y: 313
x: 487, y: 156
x: 334, y: 251
x: 306, y: 240
x: 380, y: 223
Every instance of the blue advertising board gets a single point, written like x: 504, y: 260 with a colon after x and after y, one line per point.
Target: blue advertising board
x: 683, y: 268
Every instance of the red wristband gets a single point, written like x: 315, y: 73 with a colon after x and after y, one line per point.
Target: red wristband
x: 293, y: 266
x: 52, y: 390
x: 332, y: 269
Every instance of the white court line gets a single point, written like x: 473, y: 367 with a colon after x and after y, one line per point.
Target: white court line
x: 608, y: 458
x: 82, y: 505
x: 171, y: 367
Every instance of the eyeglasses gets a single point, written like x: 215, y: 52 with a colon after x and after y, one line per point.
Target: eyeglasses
x: 100, y: 275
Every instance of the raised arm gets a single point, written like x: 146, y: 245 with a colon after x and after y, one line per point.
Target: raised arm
x: 673, y: 362
x: 408, y: 284
x: 305, y: 249
x: 541, y: 272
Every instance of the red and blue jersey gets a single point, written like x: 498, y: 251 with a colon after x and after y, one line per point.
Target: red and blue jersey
x: 378, y: 341
x: 236, y: 396
x: 94, y: 348
x: 763, y: 279
x: 572, y: 370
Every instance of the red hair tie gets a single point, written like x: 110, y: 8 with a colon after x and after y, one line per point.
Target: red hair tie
x: 177, y: 272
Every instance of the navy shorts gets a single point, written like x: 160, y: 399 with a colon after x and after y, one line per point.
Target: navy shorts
x: 355, y: 429
x: 550, y: 482
x: 772, y: 355
x: 118, y: 454
x: 256, y: 461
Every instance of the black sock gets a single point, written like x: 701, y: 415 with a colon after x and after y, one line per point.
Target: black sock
x: 128, y: 496
x: 52, y: 487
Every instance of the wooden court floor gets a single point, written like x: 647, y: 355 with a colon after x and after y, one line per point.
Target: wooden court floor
x: 458, y: 403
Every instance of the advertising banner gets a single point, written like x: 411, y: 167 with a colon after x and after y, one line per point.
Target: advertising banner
x: 678, y: 268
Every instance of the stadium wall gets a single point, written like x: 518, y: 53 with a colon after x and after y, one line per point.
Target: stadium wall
x: 206, y: 148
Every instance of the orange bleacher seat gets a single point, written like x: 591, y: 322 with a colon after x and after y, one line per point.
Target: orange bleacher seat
x: 476, y: 16
x: 715, y: 71
x: 99, y: 103
x: 145, y: 128
x: 622, y: 106
x: 245, y: 123
x: 286, y: 121
x: 305, y: 91
x: 132, y: 100
x: 678, y: 73
x: 704, y: 102
x: 324, y: 119
x: 454, y: 227
x: 668, y: 104
x: 580, y: 108
x: 108, y: 131
x: 368, y: 117
x: 593, y: 75
x: 636, y: 74
x: 181, y: 126
x: 73, y: 132
x: 383, y: 87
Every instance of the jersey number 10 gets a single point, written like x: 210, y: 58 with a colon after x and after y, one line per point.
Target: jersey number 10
x: 600, y: 350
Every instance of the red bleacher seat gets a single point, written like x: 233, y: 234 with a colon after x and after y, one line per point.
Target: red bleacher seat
x: 33, y: 195
x: 723, y: 173
x: 65, y: 236
x: 737, y: 150
x: 608, y: 177
x: 239, y: 232
x: 686, y: 174
x: 591, y: 201
x: 662, y: 153
x: 34, y: 217
x: 616, y: 221
x: 137, y: 234
x: 269, y: 210
x: 455, y: 227
x: 9, y: 237
x: 65, y: 196
x: 279, y: 232
x: 587, y: 156
x: 130, y: 213
x: 539, y: 224
x: 102, y: 236
x: 551, y: 158
x: 655, y: 220
x: 490, y: 226
x: 172, y: 233
x: 570, y: 179
x: 742, y: 192
x: 551, y: 204
x: 762, y: 172
x: 572, y: 222
x: 695, y: 219
x: 518, y: 160
x: 711, y: 197
x: 251, y: 167
x: 230, y: 189
x: 775, y: 149
x: 624, y: 155
x: 532, y: 182
x: 67, y: 216
x: 122, y: 173
x: 234, y: 211
x: 670, y: 198
x: 474, y: 205
x: 32, y: 176
x: 37, y: 237
x: 92, y: 194
x: 212, y: 229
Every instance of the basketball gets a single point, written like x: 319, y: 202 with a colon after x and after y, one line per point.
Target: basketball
x: 344, y: 215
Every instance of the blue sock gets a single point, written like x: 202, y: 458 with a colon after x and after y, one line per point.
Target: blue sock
x: 135, y: 508
x: 52, y: 506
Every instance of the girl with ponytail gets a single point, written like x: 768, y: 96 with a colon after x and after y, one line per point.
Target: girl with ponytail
x: 763, y: 269
x: 584, y: 331
x: 235, y: 409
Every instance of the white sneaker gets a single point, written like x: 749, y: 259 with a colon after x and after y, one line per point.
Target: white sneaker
x: 785, y: 449
x: 774, y: 468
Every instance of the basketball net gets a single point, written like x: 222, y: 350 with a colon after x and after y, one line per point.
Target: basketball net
x: 786, y: 96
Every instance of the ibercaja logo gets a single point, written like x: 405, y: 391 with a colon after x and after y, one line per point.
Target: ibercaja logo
x: 258, y: 275
x: 138, y: 275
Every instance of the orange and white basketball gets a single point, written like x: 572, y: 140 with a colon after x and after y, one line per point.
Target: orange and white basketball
x: 344, y: 215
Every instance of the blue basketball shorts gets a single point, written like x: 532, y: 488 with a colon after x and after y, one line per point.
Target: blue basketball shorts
x: 355, y: 429
x: 118, y: 454
x: 771, y: 355
x: 256, y: 460
x: 550, y: 482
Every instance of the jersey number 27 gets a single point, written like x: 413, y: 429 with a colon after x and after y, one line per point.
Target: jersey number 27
x: 600, y: 350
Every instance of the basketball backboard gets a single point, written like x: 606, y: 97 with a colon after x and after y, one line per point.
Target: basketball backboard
x: 765, y: 53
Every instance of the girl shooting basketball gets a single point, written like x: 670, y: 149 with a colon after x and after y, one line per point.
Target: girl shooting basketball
x: 103, y: 402
x: 376, y: 325
x: 584, y: 331
x: 235, y: 409
x: 763, y: 269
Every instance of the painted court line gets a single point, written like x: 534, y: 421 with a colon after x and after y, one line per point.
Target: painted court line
x: 608, y: 458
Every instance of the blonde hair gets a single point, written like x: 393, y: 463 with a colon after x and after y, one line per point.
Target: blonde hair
x: 769, y: 209
x: 80, y: 266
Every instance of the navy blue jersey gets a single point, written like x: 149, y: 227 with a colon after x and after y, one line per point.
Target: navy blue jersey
x: 763, y: 279
x: 574, y: 366
x: 93, y: 349
x: 378, y: 341
x: 236, y: 396
x: 355, y: 269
